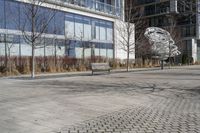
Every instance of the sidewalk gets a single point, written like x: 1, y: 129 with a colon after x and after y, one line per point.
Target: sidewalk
x: 89, y: 73
x: 72, y: 74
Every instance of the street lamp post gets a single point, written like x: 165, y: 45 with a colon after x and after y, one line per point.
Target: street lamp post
x: 93, y: 52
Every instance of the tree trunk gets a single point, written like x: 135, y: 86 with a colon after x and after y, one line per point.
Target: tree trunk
x: 33, y: 62
x: 127, y: 67
x: 9, y: 61
x: 5, y: 39
x: 45, y: 61
x: 55, y: 54
x: 6, y: 54
x: 83, y: 55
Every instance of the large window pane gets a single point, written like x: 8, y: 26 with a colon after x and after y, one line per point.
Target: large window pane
x: 12, y: 15
x: 59, y: 23
x: 25, y: 21
x: 97, y: 30
x: 78, y: 26
x: 50, y: 46
x: 2, y: 14
x: 103, y: 50
x: 87, y: 28
x: 48, y: 19
x: 60, y: 47
x: 25, y: 48
x: 109, y: 50
x: 109, y: 31
x: 69, y: 25
x: 102, y: 30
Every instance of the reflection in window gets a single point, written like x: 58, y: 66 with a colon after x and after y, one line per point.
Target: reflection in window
x: 69, y: 25
x: 78, y: 26
x: 2, y: 14
x: 109, y: 31
x: 59, y: 23
x: 103, y: 51
x: 97, y: 30
x: 12, y: 15
x: 92, y: 30
x: 102, y: 25
x: 47, y: 14
x: 25, y: 24
x: 87, y: 28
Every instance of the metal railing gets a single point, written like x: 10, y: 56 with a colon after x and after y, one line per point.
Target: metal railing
x: 95, y: 6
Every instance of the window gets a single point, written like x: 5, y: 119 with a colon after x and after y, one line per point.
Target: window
x: 2, y: 14
x: 188, y: 30
x: 46, y: 17
x: 25, y: 23
x: 97, y: 30
x: 12, y: 15
x: 102, y: 26
x: 109, y: 50
x: 69, y: 25
x: 103, y: 50
x: 150, y: 10
x: 59, y: 23
x: 87, y: 28
x: 78, y: 26
x: 109, y: 31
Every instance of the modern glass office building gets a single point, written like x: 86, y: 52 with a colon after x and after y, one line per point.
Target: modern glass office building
x: 183, y: 14
x: 77, y: 28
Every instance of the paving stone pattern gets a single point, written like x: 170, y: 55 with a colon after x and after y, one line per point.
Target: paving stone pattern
x: 157, y: 101
x: 174, y: 109
x: 164, y: 115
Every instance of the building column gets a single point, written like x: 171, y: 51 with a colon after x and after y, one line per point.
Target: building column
x: 194, y: 50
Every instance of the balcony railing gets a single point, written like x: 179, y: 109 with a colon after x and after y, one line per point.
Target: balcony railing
x: 94, y: 5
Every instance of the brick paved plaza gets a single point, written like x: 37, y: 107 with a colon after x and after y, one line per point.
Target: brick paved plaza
x: 135, y: 102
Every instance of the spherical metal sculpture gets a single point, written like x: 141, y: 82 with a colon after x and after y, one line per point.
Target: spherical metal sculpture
x: 163, y: 44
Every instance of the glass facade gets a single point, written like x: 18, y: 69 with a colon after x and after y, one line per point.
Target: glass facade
x: 2, y: 14
x: 160, y: 15
x: 198, y: 50
x: 76, y: 32
x: 140, y: 2
x: 112, y: 7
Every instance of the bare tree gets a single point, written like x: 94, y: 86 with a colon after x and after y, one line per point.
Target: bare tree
x: 130, y: 31
x: 9, y: 48
x: 35, y: 22
x: 174, y: 31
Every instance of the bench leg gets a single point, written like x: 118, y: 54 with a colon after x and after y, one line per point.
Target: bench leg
x: 92, y: 72
x: 108, y: 71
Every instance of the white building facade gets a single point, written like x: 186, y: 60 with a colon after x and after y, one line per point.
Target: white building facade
x: 78, y: 27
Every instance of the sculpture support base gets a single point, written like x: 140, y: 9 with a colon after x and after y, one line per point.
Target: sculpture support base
x: 162, y: 64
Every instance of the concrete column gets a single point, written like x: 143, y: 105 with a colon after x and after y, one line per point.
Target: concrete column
x: 194, y: 50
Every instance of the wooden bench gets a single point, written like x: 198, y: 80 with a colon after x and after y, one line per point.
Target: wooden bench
x: 96, y: 67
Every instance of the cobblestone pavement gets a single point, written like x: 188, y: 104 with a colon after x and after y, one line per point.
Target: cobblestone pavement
x: 136, y: 102
x: 169, y: 109
x: 166, y: 115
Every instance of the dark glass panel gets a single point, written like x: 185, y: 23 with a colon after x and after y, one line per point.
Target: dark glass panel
x: 2, y: 14
x: 12, y: 15
x: 25, y: 19
x: 59, y: 23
